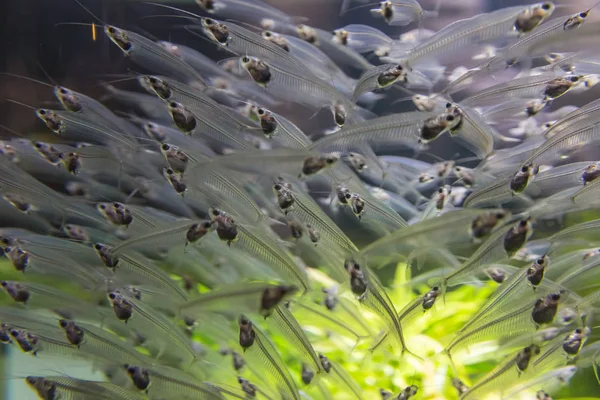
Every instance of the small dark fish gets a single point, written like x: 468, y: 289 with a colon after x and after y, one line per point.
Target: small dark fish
x: 5, y: 334
x: 19, y: 292
x: 358, y: 282
x: 249, y: 388
x: 430, y: 297
x: 104, y: 251
x: 77, y: 233
x: 52, y: 120
x: 529, y: 19
x: 357, y: 161
x: 524, y: 357
x: 392, y: 75
x: 545, y: 309
x: 276, y: 39
x: 18, y: 257
x: 268, y: 123
x: 574, y: 341
x: 313, y: 234
x: 385, y: 394
x: 175, y: 180
x: 541, y: 395
x: 69, y: 99
x: 575, y: 21
x: 330, y: 299
x: 307, y: 374
x: 498, y: 275
x: 516, y: 237
x: 356, y: 203
x: 285, y: 197
x: 590, y: 173
x: 26, y: 340
x: 225, y: 226
x: 339, y: 114
x: 71, y: 161
x: 238, y: 360
x: 74, y: 333
x: 272, y: 296
x: 139, y: 376
x: 315, y: 164
x: 46, y: 390
x: 434, y: 126
x: 325, y: 363
x: 296, y: 229
x: 535, y: 273
x: 559, y: 86
x: 49, y: 152
x: 460, y: 386
x: 484, y: 224
x: 158, y: 86
x: 121, y: 306
x: 18, y: 202
x: 258, y: 70
x: 533, y: 107
x: 176, y: 158
x: 247, y: 334
x: 521, y: 179
x: 117, y: 213
x: 342, y: 193
x: 197, y: 231
x: 216, y: 30
x: 183, y: 118
x: 307, y: 34
x: 408, y: 392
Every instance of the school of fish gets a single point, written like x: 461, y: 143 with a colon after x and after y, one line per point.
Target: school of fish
x: 182, y: 238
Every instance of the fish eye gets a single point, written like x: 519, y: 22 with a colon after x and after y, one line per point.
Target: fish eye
x: 450, y: 118
x: 62, y: 323
x: 546, y: 6
x: 539, y: 261
x: 578, y: 331
x: 42, y: 112
x: 524, y: 168
x: 38, y: 145
x: 152, y: 80
x: 440, y: 190
x: 131, y: 370
x: 448, y: 105
x: 173, y: 104
x: 102, y: 206
x: 399, y: 67
x: 260, y: 111
x: 166, y: 146
x: 348, y: 196
x: 436, y: 288
x: 209, y: 21
x: 62, y: 90
x: 98, y: 246
x: 110, y: 29
x: 583, y: 14
x: 169, y: 171
x: 277, y: 186
x: 4, y: 283
x: 499, y: 215
x: 112, y: 296
x: 574, y: 78
x: 245, y: 59
x: 555, y: 297
x: 268, y: 34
